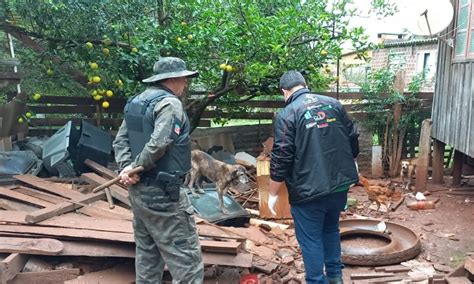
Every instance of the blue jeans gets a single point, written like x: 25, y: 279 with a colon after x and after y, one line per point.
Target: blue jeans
x: 317, y: 232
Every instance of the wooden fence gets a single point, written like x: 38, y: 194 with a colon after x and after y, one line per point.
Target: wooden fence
x: 52, y: 112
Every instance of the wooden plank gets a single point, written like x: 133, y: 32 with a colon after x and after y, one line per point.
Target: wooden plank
x: 358, y: 276
x: 458, y: 280
x: 458, y: 161
x: 98, y: 209
x: 61, y: 208
x: 424, y: 156
x: 49, y: 186
x: 100, y: 170
x: 51, y: 198
x: 469, y: 264
x: 12, y: 216
x: 14, y: 205
x: 22, y: 197
x: 117, y: 192
x: 438, y: 162
x: 242, y: 259
x: 67, y: 232
x: 53, y: 276
x: 72, y: 220
x: 98, y: 249
x: 41, y: 246
x: 220, y: 247
x: 101, y: 209
x: 392, y: 268
x: 11, y: 266
x: 216, y: 233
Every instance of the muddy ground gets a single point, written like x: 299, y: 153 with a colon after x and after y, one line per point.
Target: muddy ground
x: 446, y: 232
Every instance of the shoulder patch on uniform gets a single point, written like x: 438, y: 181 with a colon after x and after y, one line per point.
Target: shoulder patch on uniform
x: 177, y: 128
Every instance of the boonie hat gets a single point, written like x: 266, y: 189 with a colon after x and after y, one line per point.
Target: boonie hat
x: 170, y: 67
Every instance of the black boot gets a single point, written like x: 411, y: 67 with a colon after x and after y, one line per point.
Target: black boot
x: 337, y: 280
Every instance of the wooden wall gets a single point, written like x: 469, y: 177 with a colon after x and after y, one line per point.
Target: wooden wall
x: 453, y: 101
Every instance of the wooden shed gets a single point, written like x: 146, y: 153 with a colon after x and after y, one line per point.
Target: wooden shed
x: 453, y: 101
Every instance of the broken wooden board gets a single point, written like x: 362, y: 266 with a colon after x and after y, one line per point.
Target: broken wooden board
x: 22, y: 197
x: 66, y: 232
x: 251, y: 233
x: 214, y: 231
x: 41, y: 246
x: 71, y: 220
x: 458, y: 280
x: 469, y: 264
x: 117, y: 192
x: 15, y: 205
x: 64, y: 191
x: 393, y: 268
x: 11, y: 266
x: 61, y: 208
x: 51, y: 198
x: 48, y: 186
x: 103, y: 171
x: 242, y: 259
x: 220, y: 247
x: 53, y: 276
x: 358, y: 276
x: 98, y: 249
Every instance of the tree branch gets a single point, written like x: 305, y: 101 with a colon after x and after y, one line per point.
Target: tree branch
x: 23, y: 31
x: 35, y: 46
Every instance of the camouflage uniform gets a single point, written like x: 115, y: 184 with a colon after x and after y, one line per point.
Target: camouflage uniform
x: 164, y: 230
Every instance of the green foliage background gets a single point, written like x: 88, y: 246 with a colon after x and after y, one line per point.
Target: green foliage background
x: 259, y: 39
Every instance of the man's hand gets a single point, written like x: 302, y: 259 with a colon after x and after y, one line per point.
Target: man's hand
x: 128, y: 179
x: 272, y: 200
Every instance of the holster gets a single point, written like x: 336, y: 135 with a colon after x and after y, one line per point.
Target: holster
x: 171, y: 183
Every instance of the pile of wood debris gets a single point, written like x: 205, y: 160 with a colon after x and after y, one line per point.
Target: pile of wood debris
x: 51, y: 221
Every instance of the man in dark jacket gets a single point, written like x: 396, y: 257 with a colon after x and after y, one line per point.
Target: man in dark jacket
x: 155, y: 135
x: 314, y: 148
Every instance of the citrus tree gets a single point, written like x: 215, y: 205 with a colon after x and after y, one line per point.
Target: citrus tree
x: 240, y: 47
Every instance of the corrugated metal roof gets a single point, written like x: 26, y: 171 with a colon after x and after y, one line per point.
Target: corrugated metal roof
x: 404, y: 42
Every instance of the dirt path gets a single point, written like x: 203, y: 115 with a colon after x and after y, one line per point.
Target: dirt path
x: 447, y: 232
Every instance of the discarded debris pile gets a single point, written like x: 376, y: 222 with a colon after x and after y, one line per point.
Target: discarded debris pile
x: 414, y: 271
x: 46, y: 218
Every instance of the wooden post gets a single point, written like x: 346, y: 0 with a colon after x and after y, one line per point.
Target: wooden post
x: 424, y: 156
x: 457, y: 167
x: 438, y: 162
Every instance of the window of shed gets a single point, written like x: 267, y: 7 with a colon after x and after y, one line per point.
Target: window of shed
x: 464, y: 40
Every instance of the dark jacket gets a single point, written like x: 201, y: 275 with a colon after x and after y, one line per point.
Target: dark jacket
x: 314, y: 146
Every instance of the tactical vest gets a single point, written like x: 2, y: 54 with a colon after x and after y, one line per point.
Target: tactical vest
x: 140, y: 124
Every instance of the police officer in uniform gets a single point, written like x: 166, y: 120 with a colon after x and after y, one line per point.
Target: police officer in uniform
x: 155, y: 135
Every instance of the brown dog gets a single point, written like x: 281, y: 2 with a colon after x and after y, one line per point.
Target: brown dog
x: 223, y: 175
x: 407, y: 172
